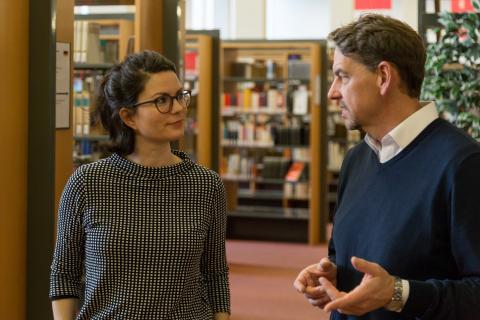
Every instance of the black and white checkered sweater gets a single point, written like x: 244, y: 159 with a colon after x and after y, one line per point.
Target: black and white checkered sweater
x: 151, y: 240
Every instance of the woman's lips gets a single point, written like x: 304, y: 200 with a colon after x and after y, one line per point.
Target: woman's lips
x: 176, y: 123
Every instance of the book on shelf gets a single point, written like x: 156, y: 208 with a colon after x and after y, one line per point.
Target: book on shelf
x: 295, y: 171
x: 191, y: 63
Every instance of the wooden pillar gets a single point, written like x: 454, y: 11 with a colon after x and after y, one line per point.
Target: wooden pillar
x: 160, y: 26
x: 148, y: 25
x: 41, y: 157
x: 13, y: 161
x: 204, y: 111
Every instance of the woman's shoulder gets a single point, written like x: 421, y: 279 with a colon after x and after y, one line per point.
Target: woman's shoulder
x: 95, y: 169
x: 205, y: 173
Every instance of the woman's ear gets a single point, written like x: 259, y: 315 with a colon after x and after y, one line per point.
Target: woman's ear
x: 384, y: 80
x: 128, y: 117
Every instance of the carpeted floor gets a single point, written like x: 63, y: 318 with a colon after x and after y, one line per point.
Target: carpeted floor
x: 261, y: 280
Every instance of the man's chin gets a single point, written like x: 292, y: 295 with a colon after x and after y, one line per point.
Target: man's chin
x: 351, y: 125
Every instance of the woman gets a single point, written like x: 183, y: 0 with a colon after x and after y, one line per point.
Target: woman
x: 146, y: 226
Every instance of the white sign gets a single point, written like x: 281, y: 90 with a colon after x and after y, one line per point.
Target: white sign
x: 62, y: 114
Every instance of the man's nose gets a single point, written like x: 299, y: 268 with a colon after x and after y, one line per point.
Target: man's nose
x: 333, y: 92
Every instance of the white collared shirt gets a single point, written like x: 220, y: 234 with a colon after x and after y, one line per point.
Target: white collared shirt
x: 397, y: 140
x: 403, y: 134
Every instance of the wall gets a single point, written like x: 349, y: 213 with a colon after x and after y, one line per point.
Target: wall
x: 285, y: 19
x: 13, y: 161
x: 249, y: 19
x: 297, y: 19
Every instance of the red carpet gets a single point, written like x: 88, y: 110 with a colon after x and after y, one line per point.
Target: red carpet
x: 261, y: 280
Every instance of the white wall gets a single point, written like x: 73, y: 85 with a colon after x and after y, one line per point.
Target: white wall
x: 286, y: 19
x: 249, y: 18
x: 297, y: 19
x: 208, y: 15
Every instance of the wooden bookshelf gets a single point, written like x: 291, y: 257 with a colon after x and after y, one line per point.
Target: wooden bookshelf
x: 272, y: 103
x: 114, y: 36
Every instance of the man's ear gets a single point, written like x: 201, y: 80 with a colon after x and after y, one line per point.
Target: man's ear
x: 384, y: 76
x: 127, y: 116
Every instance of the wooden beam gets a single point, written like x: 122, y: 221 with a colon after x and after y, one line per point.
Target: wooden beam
x: 14, y: 19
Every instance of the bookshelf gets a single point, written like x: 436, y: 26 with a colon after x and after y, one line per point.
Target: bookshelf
x: 99, y: 41
x: 89, y: 142
x: 272, y: 139
x: 202, y: 76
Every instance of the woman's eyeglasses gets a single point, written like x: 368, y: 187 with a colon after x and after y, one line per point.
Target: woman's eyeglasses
x: 164, y: 102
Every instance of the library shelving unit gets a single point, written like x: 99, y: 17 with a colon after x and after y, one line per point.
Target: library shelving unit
x: 103, y: 38
x: 273, y: 140
x: 202, y: 77
x: 90, y: 142
x: 99, y: 41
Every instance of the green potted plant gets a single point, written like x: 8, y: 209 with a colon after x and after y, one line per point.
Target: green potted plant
x: 452, y: 77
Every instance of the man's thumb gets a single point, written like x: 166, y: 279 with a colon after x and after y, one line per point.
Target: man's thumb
x: 325, y: 264
x: 364, y: 266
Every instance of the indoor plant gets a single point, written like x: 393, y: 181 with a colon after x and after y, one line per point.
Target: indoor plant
x: 452, y: 75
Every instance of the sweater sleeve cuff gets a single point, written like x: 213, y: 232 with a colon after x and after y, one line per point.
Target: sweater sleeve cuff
x: 63, y: 287
x: 219, y: 293
x: 420, y: 298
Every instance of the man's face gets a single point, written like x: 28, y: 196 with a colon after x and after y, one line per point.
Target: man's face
x: 356, y: 89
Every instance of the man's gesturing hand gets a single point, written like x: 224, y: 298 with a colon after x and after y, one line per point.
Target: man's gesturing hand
x: 307, y: 282
x: 375, y: 290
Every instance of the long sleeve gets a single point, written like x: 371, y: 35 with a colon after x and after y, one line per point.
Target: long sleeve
x: 456, y: 298
x: 214, y: 264
x: 66, y: 268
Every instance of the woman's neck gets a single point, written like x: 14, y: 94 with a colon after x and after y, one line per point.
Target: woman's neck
x: 154, y: 156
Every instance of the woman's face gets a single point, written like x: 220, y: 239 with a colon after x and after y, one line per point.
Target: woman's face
x: 148, y: 123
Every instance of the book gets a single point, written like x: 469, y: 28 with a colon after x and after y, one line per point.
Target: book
x: 295, y: 172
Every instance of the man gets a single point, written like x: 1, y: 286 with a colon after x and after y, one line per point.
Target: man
x: 406, y: 236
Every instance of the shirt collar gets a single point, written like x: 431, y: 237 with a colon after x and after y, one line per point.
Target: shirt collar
x: 404, y: 133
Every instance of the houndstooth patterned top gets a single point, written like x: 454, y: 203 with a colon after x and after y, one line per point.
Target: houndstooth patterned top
x: 150, y: 241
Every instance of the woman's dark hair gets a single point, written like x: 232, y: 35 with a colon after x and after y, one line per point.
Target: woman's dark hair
x: 120, y: 89
x: 374, y: 38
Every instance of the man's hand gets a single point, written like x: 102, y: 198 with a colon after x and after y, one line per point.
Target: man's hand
x: 307, y: 282
x: 374, y: 292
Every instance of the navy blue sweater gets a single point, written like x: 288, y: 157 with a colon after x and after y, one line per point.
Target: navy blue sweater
x: 418, y: 216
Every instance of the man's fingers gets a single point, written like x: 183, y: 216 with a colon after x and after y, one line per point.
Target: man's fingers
x: 365, y: 266
x: 321, y: 302
x: 325, y: 265
x: 330, y: 289
x: 300, y: 282
x: 299, y: 286
x: 315, y: 292
x: 337, y: 304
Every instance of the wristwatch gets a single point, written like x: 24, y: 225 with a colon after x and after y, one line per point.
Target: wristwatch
x: 396, y: 303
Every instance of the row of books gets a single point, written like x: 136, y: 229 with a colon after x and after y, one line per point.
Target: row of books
x: 249, y: 67
x: 272, y: 100
x: 299, y: 190
x: 247, y: 133
x: 248, y: 99
x: 237, y: 132
x: 88, y: 47
x: 81, y: 113
x: 270, y: 167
